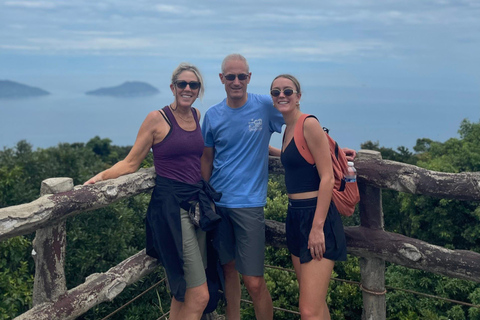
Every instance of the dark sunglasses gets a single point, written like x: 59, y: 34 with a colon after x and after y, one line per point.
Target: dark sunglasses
x: 194, y: 85
x: 286, y: 92
x: 231, y: 77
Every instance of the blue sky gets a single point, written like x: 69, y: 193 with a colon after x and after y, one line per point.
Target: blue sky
x: 429, y: 47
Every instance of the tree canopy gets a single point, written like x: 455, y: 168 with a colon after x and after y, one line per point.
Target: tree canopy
x: 99, y: 239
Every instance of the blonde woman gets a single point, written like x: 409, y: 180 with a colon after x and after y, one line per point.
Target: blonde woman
x: 173, y: 133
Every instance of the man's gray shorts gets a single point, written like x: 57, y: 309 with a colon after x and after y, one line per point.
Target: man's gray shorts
x: 241, y: 237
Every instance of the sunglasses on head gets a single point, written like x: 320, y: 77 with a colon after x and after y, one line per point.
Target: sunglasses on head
x: 194, y: 85
x: 241, y: 76
x: 286, y: 92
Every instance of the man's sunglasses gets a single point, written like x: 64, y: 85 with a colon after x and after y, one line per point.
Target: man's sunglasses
x: 194, y: 85
x: 286, y: 92
x: 241, y: 76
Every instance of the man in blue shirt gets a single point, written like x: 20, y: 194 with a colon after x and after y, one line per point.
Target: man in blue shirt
x: 237, y: 133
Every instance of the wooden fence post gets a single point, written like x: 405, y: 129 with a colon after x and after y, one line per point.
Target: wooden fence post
x: 372, y: 269
x: 49, y: 248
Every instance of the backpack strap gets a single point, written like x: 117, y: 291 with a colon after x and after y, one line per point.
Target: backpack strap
x: 299, y: 138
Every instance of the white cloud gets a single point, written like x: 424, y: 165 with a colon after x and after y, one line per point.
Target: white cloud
x: 317, y: 50
x: 310, y: 29
x: 98, y: 33
x: 169, y: 8
x: 364, y: 16
x: 31, y: 4
x: 17, y: 47
x: 17, y: 26
x: 182, y: 10
x: 336, y: 48
x: 102, y: 44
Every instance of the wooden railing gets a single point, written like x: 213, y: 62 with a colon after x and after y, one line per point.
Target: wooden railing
x: 60, y: 200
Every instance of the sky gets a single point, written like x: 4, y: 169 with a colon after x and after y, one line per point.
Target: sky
x: 427, y: 47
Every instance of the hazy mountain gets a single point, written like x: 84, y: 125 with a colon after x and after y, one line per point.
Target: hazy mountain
x: 127, y: 89
x: 10, y: 89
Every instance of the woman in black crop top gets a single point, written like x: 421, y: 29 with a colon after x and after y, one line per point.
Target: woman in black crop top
x: 315, y: 235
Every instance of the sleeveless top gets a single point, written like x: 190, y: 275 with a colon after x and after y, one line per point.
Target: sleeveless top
x: 300, y: 176
x: 177, y: 156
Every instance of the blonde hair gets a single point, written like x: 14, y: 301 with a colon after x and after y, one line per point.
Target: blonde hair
x: 185, y: 66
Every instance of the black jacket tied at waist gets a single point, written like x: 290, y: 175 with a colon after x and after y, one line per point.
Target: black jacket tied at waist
x: 163, y: 226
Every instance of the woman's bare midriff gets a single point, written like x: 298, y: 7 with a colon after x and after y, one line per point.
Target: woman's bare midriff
x: 303, y: 195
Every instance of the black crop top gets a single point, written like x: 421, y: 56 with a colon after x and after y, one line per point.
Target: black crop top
x: 300, y: 176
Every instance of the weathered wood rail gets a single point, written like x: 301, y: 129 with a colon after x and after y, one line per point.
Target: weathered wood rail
x: 369, y: 241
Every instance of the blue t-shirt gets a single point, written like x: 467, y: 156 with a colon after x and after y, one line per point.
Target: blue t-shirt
x: 240, y: 138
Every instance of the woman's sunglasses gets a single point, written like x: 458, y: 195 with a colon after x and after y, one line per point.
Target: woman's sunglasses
x: 286, y: 92
x: 194, y: 85
x: 241, y: 76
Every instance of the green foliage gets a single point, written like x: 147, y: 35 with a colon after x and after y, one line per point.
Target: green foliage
x: 96, y: 241
x: 9, y: 177
x: 474, y: 313
x: 345, y: 299
x: 104, y: 149
x: 277, y: 202
x: 22, y: 170
x: 454, y: 155
x: 101, y: 147
x: 16, y: 277
x: 449, y: 223
x: 401, y: 304
x: 283, y: 288
x: 401, y: 155
x: 102, y: 238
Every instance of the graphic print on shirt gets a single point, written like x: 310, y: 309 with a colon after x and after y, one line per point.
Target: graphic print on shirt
x: 255, y: 125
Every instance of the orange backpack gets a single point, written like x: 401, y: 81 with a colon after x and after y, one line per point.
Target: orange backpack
x: 345, y: 195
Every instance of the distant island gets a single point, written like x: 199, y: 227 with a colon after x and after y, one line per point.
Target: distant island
x: 127, y: 89
x: 13, y: 90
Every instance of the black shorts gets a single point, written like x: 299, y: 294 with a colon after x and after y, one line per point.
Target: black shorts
x: 299, y: 223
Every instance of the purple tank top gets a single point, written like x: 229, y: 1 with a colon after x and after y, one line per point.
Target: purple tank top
x: 177, y: 157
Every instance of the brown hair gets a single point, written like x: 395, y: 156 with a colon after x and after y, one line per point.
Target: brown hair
x: 291, y: 78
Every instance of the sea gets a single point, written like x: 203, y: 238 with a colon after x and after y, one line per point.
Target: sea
x: 390, y: 116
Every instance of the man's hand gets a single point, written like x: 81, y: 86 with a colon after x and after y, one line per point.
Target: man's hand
x: 272, y: 151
